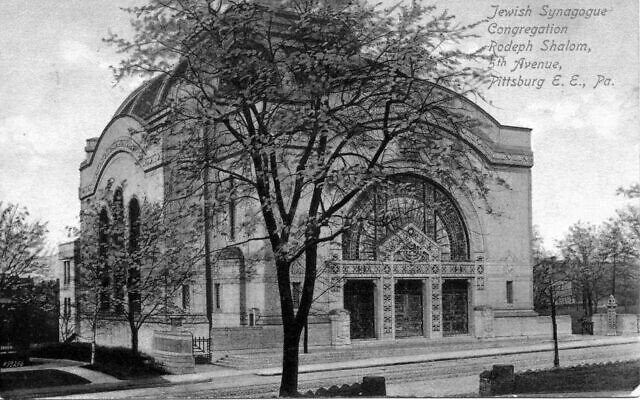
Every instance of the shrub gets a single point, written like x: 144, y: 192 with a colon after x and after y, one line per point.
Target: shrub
x: 68, y: 351
x: 115, y: 361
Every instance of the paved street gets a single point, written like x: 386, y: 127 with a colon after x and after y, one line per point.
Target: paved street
x: 424, y: 379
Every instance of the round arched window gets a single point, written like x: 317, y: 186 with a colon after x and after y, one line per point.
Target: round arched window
x: 405, y: 202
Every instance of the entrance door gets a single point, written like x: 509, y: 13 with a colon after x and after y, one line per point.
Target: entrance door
x: 408, y: 310
x: 455, y: 307
x: 359, y: 301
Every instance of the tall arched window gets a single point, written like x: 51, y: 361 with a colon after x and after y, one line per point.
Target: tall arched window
x: 134, y: 271
x: 103, y: 249
x: 119, y: 269
x: 134, y: 224
x: 387, y: 207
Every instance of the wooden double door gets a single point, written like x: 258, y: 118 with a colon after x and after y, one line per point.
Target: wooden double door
x: 409, y: 308
x: 455, y: 307
x: 359, y: 300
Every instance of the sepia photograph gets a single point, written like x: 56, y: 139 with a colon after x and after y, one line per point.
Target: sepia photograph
x: 319, y: 199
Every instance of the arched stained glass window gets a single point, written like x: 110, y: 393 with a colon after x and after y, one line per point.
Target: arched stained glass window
x: 105, y: 273
x: 403, y: 201
x: 134, y: 274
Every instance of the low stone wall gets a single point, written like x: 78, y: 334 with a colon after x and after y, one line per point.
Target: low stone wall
x: 173, y: 351
x: 626, y: 324
x: 371, y: 386
x: 224, y: 340
x: 116, y: 333
x: 499, y: 381
x: 484, y: 326
x: 530, y: 325
x: 611, y: 376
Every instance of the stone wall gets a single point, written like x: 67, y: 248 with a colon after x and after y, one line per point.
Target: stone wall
x: 528, y: 324
x: 118, y: 334
x: 261, y: 337
x: 626, y: 324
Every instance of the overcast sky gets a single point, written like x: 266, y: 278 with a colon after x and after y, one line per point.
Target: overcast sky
x: 56, y: 90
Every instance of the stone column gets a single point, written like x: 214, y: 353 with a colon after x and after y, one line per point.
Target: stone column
x: 611, y: 316
x: 340, y: 327
x: 483, y: 322
x: 426, y: 308
x: 436, y: 307
x: 388, y: 317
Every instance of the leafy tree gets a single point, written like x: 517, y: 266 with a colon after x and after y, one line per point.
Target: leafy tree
x: 621, y: 250
x: 293, y: 109
x: 133, y: 269
x: 582, y: 246
x: 624, y: 243
x: 632, y: 192
x: 21, y: 244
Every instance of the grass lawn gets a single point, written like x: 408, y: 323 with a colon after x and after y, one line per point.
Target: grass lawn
x: 126, y: 371
x: 114, y: 361
x: 624, y: 375
x: 37, y: 379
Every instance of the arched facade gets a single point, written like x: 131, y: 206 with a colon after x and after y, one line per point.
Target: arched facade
x: 418, y: 258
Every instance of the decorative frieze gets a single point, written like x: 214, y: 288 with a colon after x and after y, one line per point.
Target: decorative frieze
x: 436, y: 304
x: 387, y: 307
x: 497, y: 155
x: 378, y: 268
x: 389, y: 271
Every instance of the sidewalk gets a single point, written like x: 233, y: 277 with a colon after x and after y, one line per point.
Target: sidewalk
x: 207, y: 373
x: 452, y: 354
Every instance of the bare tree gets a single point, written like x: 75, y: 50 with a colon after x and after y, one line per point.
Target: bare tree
x: 550, y: 281
x: 133, y: 270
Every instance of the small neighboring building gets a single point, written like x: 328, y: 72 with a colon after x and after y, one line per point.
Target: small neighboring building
x: 67, y: 263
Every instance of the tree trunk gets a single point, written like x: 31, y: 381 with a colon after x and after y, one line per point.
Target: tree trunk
x: 134, y: 342
x: 93, y: 346
x: 290, y: 360
x: 306, y: 338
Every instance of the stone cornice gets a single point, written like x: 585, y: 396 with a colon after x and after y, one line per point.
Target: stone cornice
x: 123, y: 144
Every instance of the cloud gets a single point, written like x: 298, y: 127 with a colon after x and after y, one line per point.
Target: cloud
x: 607, y: 114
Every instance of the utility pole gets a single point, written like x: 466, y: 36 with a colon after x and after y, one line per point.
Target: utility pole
x: 554, y: 325
x: 206, y: 227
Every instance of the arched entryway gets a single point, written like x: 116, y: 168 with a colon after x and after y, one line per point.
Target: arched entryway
x: 405, y: 264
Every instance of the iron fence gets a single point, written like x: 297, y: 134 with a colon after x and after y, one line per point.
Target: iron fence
x: 587, y: 327
x: 202, y: 349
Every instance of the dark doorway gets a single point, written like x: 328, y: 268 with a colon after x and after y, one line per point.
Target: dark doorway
x: 408, y: 299
x: 359, y: 301
x: 455, y: 307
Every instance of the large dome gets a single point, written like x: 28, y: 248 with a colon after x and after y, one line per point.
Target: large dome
x: 151, y: 96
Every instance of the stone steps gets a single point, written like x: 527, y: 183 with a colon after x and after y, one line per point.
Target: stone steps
x: 260, y: 359
x: 274, y: 359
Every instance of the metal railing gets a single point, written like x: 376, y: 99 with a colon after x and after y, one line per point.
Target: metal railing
x: 202, y: 349
x: 587, y: 327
